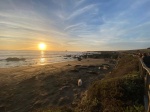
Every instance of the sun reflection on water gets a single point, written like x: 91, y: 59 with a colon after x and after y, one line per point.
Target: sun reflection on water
x: 42, y: 59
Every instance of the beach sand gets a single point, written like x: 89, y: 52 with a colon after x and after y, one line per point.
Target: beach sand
x: 24, y: 89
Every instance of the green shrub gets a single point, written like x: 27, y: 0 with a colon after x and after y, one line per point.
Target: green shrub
x: 115, y: 95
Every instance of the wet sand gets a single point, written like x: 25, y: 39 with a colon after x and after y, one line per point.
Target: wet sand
x: 28, y: 88
x: 17, y: 74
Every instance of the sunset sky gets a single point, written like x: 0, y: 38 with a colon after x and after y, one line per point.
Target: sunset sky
x: 74, y: 25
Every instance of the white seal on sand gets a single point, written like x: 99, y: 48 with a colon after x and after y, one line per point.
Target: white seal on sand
x: 79, y: 82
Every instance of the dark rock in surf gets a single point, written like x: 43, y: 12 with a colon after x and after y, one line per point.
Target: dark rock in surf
x: 15, y: 59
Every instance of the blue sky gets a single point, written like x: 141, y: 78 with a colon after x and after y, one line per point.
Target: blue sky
x: 77, y: 25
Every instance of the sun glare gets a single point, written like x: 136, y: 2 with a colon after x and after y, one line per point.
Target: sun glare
x: 42, y: 46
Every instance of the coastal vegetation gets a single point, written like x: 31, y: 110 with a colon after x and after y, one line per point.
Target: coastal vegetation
x: 117, y: 94
x: 122, y: 90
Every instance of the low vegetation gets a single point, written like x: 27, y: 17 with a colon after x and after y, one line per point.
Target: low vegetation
x: 120, y: 91
x: 121, y: 94
x: 126, y: 64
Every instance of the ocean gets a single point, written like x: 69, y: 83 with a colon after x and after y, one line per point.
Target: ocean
x: 35, y: 57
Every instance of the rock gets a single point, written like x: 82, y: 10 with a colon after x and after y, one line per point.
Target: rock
x: 15, y: 59
x: 105, y: 68
x: 99, y: 68
x: 91, y: 66
x: 79, y: 82
x: 92, y: 72
x: 83, y: 67
x: 79, y: 58
x: 106, y: 65
x: 68, y: 65
x: 76, y: 66
x: 67, y: 56
x: 74, y: 70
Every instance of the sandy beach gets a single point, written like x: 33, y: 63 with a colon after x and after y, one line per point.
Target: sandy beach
x: 15, y: 74
x: 28, y: 88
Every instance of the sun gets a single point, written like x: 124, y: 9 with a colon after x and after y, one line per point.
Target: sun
x: 42, y: 46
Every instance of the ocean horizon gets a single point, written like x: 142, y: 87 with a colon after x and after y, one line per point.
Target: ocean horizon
x: 33, y: 57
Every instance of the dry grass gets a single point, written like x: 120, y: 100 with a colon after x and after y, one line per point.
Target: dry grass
x: 126, y: 64
x: 120, y: 91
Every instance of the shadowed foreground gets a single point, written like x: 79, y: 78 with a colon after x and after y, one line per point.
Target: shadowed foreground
x: 55, y: 86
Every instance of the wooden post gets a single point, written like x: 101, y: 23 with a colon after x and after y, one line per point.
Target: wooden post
x: 145, y: 73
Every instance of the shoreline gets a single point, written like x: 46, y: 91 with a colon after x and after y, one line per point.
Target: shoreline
x: 11, y: 74
x: 35, y: 65
x: 21, y: 58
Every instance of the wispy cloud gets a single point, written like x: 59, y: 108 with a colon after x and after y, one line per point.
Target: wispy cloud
x: 75, y: 24
x: 83, y: 10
